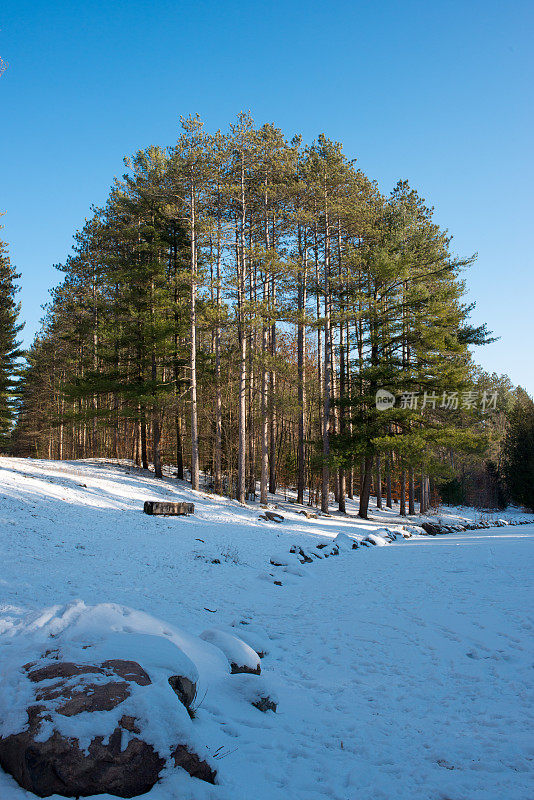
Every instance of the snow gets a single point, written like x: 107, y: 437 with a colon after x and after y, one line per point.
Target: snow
x: 401, y: 672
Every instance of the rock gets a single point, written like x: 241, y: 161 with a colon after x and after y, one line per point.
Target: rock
x: 304, y: 558
x: 265, y: 704
x: 184, y: 689
x: 376, y: 539
x: 254, y: 637
x: 240, y: 656
x: 59, y: 766
x: 431, y: 528
x: 168, y: 509
x: 186, y: 759
x: 273, y: 517
x: 44, y: 760
x: 343, y: 542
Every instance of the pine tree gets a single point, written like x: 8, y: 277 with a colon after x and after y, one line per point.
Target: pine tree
x: 9, y: 346
x: 518, y: 451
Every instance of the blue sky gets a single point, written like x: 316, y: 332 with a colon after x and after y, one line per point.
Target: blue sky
x: 438, y: 92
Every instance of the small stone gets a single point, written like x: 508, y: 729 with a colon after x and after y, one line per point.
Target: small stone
x: 265, y: 704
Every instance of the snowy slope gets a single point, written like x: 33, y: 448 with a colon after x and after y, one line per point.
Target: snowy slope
x: 400, y: 672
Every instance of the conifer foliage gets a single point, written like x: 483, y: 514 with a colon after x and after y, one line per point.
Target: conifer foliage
x: 233, y: 309
x: 519, y: 451
x: 9, y: 346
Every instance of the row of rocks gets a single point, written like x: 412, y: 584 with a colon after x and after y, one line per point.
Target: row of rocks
x: 437, y: 529
x: 380, y: 537
x: 342, y: 542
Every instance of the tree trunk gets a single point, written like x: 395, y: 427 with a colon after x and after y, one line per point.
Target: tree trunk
x: 156, y: 439
x: 250, y: 416
x: 195, y: 470
x: 272, y: 399
x: 325, y: 488
x: 389, y: 497
x: 144, y: 454
x: 301, y: 348
x: 179, y: 448
x: 264, y: 415
x: 264, y: 425
x: 366, y: 488
x: 403, y: 493
x: 411, y: 493
x: 378, y: 482
x: 217, y: 458
x: 241, y: 452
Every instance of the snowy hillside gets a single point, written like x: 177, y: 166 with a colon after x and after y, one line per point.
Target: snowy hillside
x: 401, y: 671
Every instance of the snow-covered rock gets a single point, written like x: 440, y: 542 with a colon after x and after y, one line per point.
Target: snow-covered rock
x: 251, y: 635
x: 376, y: 539
x: 344, y: 542
x: 280, y: 559
x: 93, y: 709
x: 256, y: 691
x: 241, y: 657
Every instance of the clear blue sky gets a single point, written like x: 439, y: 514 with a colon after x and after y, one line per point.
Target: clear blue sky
x: 435, y: 91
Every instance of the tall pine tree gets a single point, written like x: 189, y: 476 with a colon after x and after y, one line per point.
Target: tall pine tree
x: 9, y: 346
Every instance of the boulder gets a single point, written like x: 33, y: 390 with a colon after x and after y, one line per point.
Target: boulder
x: 431, y: 528
x: 76, y: 758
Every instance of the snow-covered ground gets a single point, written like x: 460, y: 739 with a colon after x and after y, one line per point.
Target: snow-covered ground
x: 400, y: 672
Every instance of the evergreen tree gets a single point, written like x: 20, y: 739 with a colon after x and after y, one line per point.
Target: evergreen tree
x: 518, y: 451
x: 9, y: 346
